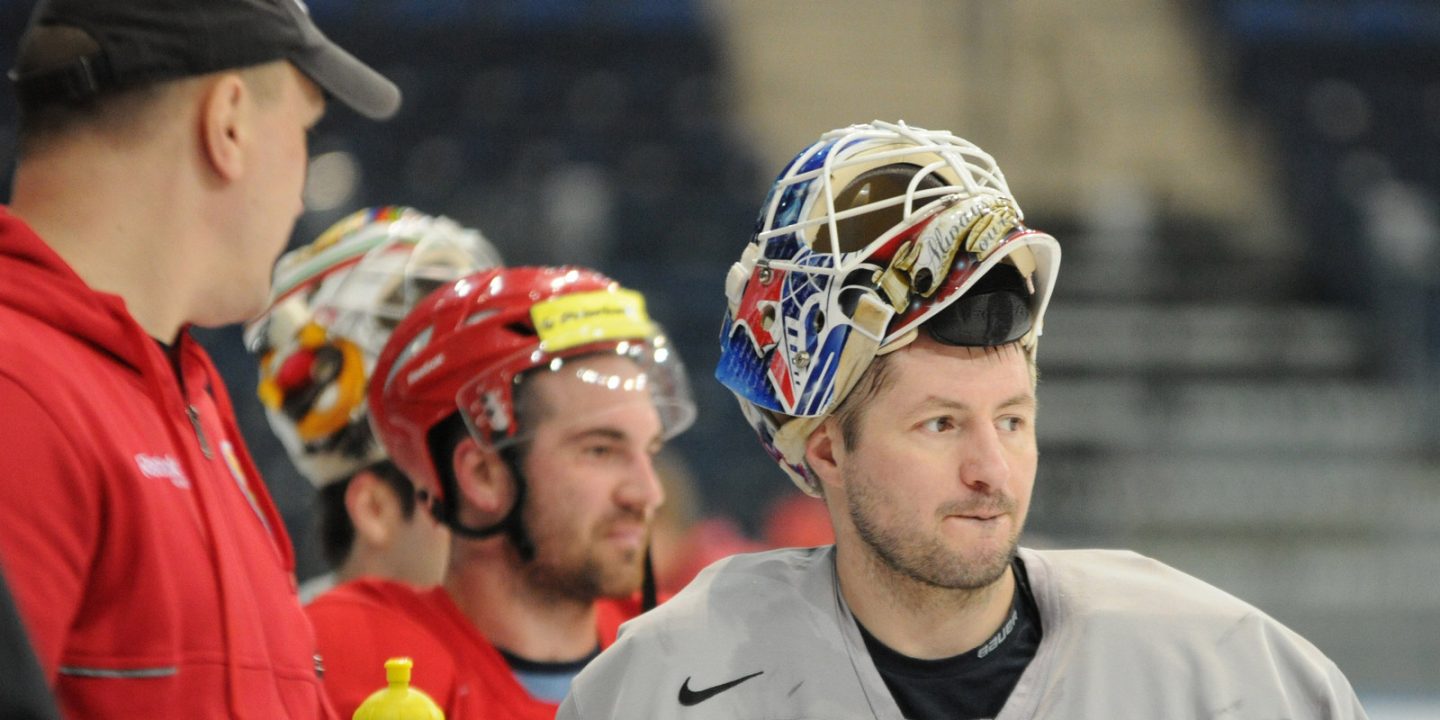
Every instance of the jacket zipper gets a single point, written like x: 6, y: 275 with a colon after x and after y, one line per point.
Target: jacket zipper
x: 194, y: 416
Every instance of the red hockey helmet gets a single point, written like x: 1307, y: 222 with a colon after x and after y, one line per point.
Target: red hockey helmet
x: 467, y: 346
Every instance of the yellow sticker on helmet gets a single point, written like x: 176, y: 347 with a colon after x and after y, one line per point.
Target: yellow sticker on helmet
x: 573, y: 320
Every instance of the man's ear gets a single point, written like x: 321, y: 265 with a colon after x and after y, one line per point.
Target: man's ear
x: 484, y: 480
x: 224, y: 101
x: 825, y: 451
x: 373, y: 508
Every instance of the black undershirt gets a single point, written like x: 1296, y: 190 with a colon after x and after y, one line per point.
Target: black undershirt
x: 970, y: 686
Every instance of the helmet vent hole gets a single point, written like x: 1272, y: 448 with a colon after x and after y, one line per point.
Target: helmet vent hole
x: 520, y: 328
x: 924, y: 281
x: 479, y: 317
x: 767, y: 318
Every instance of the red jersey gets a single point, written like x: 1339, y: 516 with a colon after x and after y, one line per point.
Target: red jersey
x: 151, y: 569
x: 363, y: 623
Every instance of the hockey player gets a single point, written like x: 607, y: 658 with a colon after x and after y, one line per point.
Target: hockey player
x: 880, y: 336
x: 527, y: 405
x: 333, y: 305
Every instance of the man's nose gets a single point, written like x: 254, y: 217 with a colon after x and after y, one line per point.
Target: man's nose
x: 984, y: 465
x: 642, y: 490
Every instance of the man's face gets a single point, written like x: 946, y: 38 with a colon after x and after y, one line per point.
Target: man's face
x: 286, y: 106
x: 938, y: 486
x: 592, y: 485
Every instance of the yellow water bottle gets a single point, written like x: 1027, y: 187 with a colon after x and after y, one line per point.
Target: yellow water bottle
x: 399, y: 701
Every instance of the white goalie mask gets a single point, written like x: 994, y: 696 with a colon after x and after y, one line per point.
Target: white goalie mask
x: 333, y: 305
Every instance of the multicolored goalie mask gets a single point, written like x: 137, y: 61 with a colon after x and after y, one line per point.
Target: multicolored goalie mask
x: 333, y: 305
x: 869, y: 235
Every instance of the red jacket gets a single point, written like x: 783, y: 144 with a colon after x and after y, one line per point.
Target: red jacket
x: 363, y: 623
x: 148, y: 562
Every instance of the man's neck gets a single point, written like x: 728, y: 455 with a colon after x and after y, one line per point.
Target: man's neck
x: 89, y: 213
x: 915, y: 618
x: 363, y: 563
x: 491, y: 590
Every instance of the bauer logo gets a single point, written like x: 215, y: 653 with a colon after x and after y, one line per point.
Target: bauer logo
x: 162, y: 466
x: 425, y: 369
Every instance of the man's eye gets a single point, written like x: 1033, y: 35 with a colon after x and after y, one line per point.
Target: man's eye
x: 940, y: 424
x: 1012, y: 423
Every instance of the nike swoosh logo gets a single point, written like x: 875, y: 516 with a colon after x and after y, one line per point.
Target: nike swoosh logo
x: 690, y: 697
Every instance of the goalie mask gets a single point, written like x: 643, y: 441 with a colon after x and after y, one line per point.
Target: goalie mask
x: 333, y: 304
x: 868, y: 236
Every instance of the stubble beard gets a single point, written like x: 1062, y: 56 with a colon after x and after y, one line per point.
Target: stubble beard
x: 585, y: 576
x: 926, y: 561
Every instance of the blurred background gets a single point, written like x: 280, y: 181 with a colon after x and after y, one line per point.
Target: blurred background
x: 1242, y: 363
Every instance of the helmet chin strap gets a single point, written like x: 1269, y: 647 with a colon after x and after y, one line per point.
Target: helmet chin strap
x: 514, y: 527
x: 512, y: 524
x: 649, y: 594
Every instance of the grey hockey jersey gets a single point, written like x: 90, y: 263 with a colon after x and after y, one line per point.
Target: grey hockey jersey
x: 768, y: 636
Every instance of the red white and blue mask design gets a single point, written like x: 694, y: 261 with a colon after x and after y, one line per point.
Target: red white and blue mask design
x: 866, y: 236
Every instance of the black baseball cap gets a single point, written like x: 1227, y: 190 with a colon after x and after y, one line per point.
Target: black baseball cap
x: 151, y: 40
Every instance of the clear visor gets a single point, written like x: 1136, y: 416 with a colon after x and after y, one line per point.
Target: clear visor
x: 635, y: 389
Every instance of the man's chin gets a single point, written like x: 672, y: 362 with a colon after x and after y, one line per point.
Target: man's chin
x: 623, y: 585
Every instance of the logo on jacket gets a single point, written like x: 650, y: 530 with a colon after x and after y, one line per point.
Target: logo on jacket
x: 232, y: 461
x: 690, y: 697
x: 162, y: 466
